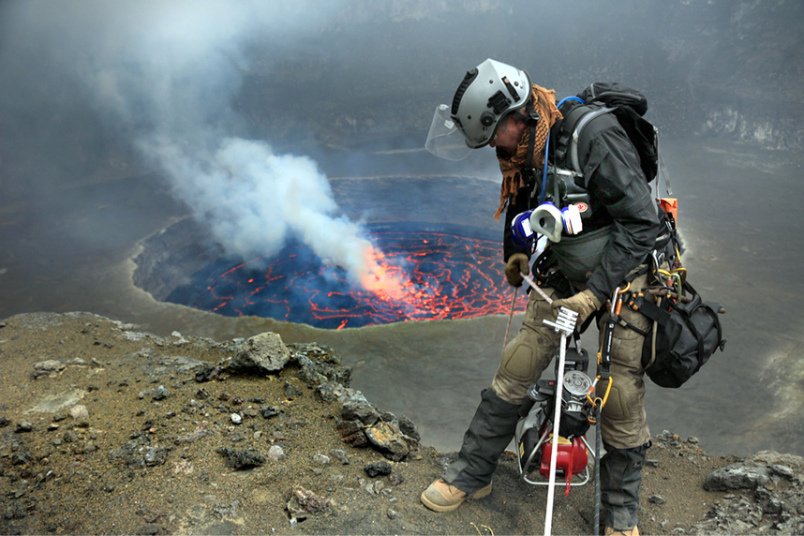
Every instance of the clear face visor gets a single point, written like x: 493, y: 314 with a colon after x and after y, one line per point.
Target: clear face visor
x: 445, y: 139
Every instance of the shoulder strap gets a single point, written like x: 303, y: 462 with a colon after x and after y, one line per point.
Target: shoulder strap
x: 576, y: 120
x: 576, y: 136
x: 564, y: 137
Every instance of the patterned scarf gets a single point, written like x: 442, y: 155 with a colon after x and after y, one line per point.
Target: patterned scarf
x: 544, y: 102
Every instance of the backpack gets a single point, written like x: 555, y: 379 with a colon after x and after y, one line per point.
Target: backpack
x: 683, y: 333
x: 681, y: 339
x: 628, y: 106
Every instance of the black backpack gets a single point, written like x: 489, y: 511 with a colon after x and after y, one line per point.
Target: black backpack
x: 628, y: 106
x: 681, y: 339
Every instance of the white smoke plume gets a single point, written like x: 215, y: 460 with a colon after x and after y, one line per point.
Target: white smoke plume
x: 167, y: 72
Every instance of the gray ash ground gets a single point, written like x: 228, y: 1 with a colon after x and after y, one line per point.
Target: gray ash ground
x: 106, y: 429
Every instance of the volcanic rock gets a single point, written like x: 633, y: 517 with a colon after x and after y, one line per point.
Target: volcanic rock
x: 242, y: 459
x: 262, y: 353
x: 352, y: 433
x: 737, y: 476
x: 46, y: 368
x: 58, y: 481
x: 769, y: 496
x: 276, y: 453
x: 79, y: 412
x: 389, y: 440
x: 375, y: 469
x: 304, y: 501
x: 23, y: 427
x: 356, y: 407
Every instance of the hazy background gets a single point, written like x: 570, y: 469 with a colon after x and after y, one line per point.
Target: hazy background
x: 118, y: 118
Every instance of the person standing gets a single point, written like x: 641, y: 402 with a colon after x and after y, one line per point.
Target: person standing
x: 497, y: 105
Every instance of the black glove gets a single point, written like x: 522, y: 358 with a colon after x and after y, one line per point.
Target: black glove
x: 516, y: 266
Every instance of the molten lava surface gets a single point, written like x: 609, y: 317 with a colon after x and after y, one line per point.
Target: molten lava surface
x: 416, y: 275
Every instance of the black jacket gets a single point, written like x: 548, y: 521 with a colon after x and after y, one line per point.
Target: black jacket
x: 619, y: 195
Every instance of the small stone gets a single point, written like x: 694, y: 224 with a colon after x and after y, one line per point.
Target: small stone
x: 304, y: 500
x: 236, y: 418
x: 392, y: 514
x: 322, y: 459
x: 396, y: 479
x: 340, y: 455
x: 291, y: 391
x: 206, y: 372
x: 79, y: 412
x: 242, y: 459
x: 44, y: 368
x: 23, y: 427
x: 160, y: 393
x: 652, y: 462
x: 269, y: 411
x: 52, y: 427
x: 276, y: 453
x: 656, y: 499
x: 694, y: 440
x: 4, y: 422
x: 155, y: 456
x: 375, y: 469
x: 21, y: 458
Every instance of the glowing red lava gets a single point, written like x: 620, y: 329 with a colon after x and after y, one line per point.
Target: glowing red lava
x: 412, y: 275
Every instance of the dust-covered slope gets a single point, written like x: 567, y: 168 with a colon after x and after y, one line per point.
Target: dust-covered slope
x: 106, y: 429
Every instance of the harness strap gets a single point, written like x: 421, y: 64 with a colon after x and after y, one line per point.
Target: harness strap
x: 576, y: 135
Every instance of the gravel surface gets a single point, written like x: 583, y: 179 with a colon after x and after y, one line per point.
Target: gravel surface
x: 107, y: 429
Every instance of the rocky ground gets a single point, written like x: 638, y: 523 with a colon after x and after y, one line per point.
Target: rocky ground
x: 106, y: 429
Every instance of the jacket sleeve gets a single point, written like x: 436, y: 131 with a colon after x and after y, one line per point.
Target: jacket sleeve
x: 616, y: 182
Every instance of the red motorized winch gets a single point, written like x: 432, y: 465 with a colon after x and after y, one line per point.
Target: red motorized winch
x: 571, y: 458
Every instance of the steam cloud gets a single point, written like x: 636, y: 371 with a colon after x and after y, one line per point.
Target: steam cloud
x: 166, y: 73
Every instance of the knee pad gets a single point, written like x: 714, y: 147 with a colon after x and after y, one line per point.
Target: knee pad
x: 524, y: 360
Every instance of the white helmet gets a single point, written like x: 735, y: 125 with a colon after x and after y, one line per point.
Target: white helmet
x: 488, y: 93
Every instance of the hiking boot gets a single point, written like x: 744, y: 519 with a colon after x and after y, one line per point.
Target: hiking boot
x: 628, y: 532
x: 441, y: 497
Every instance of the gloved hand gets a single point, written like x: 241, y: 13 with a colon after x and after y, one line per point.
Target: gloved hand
x: 584, y: 303
x: 516, y: 266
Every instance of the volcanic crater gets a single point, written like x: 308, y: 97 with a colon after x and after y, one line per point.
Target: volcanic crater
x: 446, y: 258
